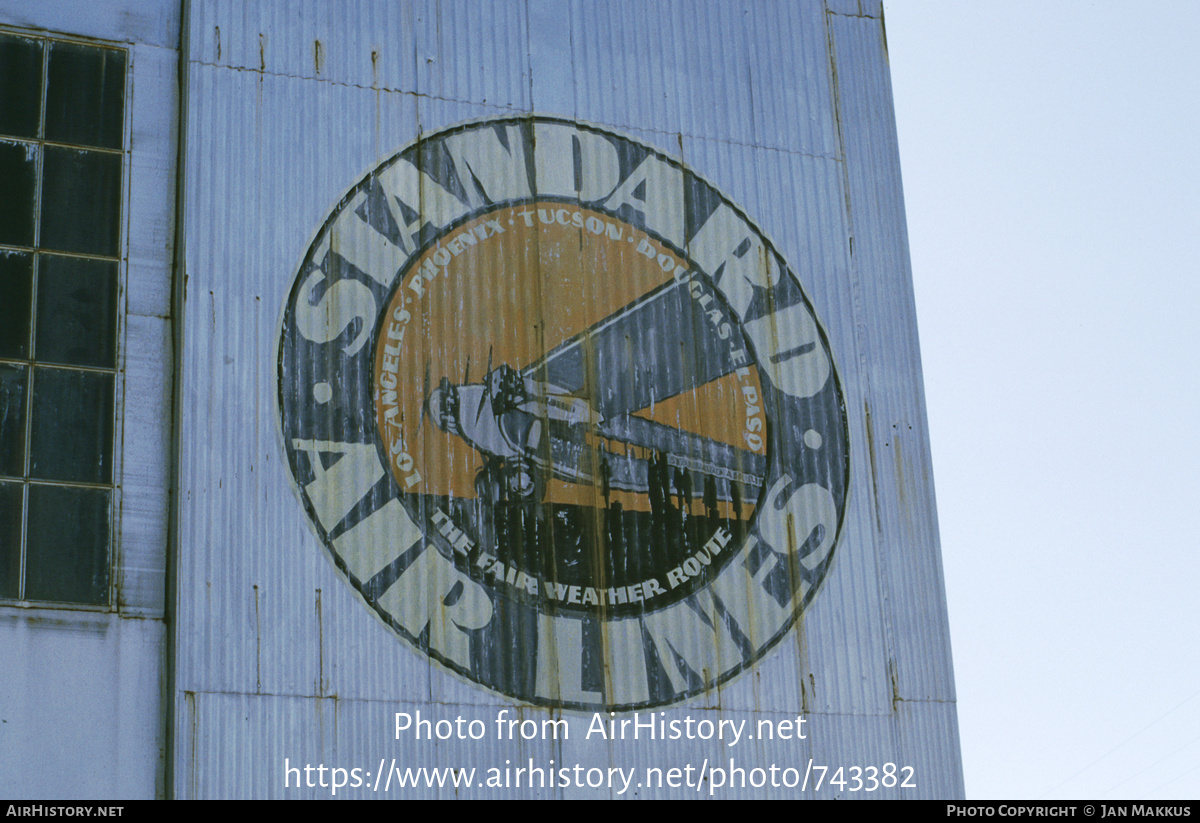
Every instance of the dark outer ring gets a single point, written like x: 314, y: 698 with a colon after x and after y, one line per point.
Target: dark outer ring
x: 833, y: 385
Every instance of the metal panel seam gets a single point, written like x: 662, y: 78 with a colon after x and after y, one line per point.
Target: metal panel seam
x: 178, y: 293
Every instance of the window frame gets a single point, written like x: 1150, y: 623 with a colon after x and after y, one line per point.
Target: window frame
x: 110, y: 602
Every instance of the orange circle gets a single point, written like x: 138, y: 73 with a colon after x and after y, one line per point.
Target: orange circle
x: 507, y: 287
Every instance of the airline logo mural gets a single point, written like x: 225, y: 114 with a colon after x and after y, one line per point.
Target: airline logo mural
x: 562, y: 416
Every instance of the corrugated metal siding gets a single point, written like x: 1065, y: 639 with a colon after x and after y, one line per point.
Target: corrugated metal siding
x: 758, y: 66
x: 289, y: 105
x: 443, y: 50
x: 893, y: 412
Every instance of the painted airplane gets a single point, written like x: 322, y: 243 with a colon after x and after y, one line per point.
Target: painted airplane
x: 572, y: 415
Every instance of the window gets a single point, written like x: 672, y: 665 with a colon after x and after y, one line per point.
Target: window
x: 62, y: 127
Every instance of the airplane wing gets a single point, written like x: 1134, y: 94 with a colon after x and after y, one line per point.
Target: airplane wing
x: 660, y: 345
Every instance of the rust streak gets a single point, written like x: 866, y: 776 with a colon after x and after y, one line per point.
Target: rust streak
x: 320, y: 647
x: 871, y: 458
x: 189, y: 698
x: 257, y: 645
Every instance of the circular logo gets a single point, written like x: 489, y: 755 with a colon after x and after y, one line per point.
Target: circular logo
x: 562, y: 416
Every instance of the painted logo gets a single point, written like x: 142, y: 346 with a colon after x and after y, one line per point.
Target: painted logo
x: 562, y: 415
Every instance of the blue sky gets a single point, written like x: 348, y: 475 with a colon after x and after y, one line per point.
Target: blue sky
x: 1052, y: 185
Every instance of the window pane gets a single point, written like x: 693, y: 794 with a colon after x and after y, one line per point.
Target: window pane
x: 60, y: 205
x: 81, y: 201
x: 20, y: 86
x: 10, y: 540
x: 66, y: 556
x: 72, y: 431
x: 13, y: 383
x: 18, y: 174
x: 16, y: 287
x: 85, y: 95
x: 77, y: 311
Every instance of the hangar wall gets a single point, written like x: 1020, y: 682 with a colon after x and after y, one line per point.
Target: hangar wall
x: 613, y: 229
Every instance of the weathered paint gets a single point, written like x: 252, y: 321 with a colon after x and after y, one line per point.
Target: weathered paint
x: 280, y: 654
x: 291, y: 163
x: 648, y: 471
